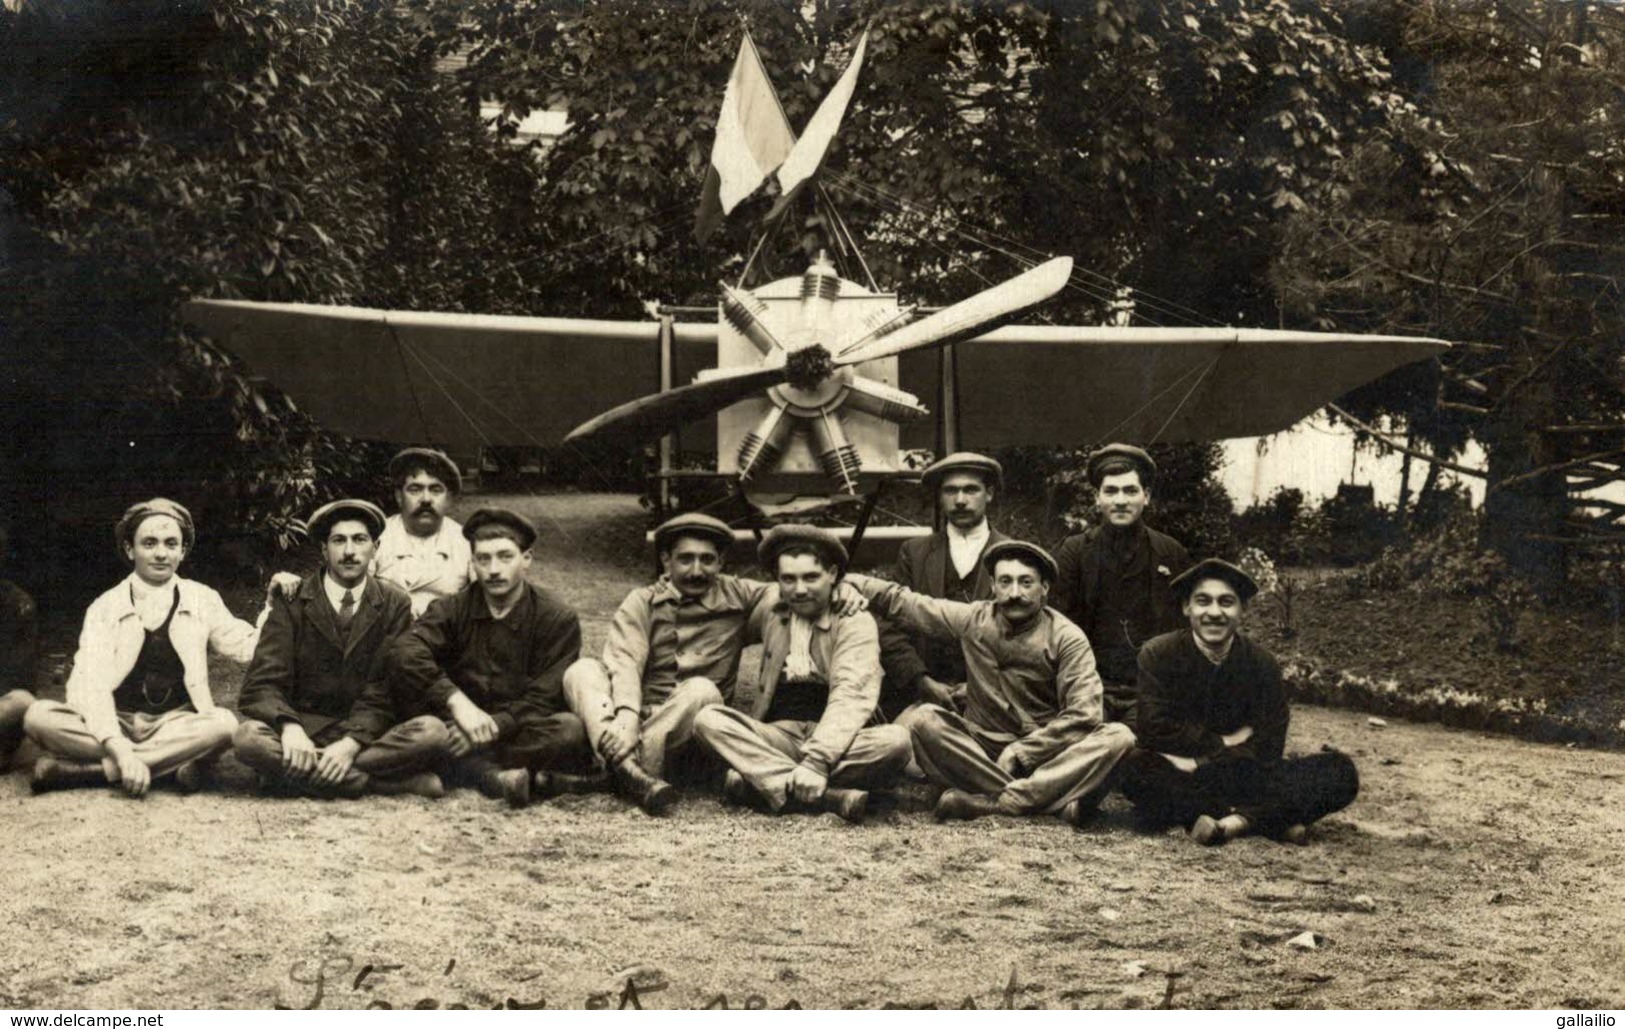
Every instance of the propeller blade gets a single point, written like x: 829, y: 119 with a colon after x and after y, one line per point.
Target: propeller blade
x: 660, y: 413
x: 970, y: 317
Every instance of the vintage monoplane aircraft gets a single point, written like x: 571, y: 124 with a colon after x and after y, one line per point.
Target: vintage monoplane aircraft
x: 813, y: 381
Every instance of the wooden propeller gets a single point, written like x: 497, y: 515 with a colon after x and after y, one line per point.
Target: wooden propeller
x: 972, y: 316
x: 660, y: 413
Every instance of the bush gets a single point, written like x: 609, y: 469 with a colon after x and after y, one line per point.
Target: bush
x: 1451, y: 562
x: 1273, y: 525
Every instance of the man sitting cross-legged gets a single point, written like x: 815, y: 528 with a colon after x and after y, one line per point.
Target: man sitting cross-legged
x: 1213, y: 720
x: 317, y: 707
x: 805, y: 741
x: 138, y: 704
x: 673, y: 649
x: 1031, y: 739
x: 491, y: 661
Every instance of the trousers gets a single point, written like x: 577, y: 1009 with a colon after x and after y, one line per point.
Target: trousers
x: 953, y: 752
x: 1121, y: 700
x: 556, y: 742
x: 765, y: 753
x: 664, y: 729
x: 412, y: 746
x: 14, y: 705
x: 164, y: 742
x: 1274, y: 797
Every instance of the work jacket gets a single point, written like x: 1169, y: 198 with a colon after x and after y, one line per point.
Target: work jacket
x: 111, y: 640
x: 306, y: 670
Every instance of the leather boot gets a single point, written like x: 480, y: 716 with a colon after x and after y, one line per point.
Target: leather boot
x: 54, y: 773
x: 735, y: 790
x: 654, y: 796
x: 851, y: 805
x: 955, y: 804
x: 423, y: 784
x: 511, y: 785
x: 553, y: 784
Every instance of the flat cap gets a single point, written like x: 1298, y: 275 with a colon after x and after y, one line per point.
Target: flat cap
x: 1213, y: 568
x: 124, y: 532
x: 702, y: 526
x: 1021, y: 550
x: 990, y: 470
x: 321, y: 522
x: 505, y: 518
x: 821, y: 540
x: 1122, y: 451
x: 434, y: 462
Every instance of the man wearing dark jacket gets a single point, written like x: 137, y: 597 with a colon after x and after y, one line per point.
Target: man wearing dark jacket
x: 490, y: 660
x: 317, y: 711
x: 947, y: 564
x: 1212, y: 721
x: 1114, y: 577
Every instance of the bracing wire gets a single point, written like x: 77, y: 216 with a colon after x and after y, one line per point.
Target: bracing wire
x: 1024, y: 253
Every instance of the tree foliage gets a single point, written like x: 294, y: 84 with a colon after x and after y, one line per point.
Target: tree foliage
x: 1489, y: 212
x: 1244, y: 161
x: 153, y: 152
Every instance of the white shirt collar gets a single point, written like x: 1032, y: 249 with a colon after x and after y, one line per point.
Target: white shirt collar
x: 335, y: 592
x: 152, y: 603
x: 965, y: 547
x: 977, y: 535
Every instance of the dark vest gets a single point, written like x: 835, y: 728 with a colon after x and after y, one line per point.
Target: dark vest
x: 157, y: 683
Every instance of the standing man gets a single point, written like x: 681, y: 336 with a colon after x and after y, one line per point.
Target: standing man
x: 805, y: 740
x: 1032, y: 738
x: 1213, y: 721
x: 317, y: 709
x: 421, y: 550
x: 490, y: 660
x: 19, y: 649
x: 945, y: 564
x: 1113, y: 580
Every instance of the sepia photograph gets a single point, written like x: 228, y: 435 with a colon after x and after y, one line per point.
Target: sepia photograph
x: 812, y: 504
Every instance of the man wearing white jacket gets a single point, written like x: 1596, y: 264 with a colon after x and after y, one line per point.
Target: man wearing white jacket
x: 138, y: 703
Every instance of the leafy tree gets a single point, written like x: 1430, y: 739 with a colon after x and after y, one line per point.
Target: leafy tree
x: 1488, y: 211
x: 156, y: 151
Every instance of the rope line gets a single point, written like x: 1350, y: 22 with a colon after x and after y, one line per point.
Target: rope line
x: 481, y: 433
x: 1109, y: 433
x: 1186, y: 398
x: 406, y: 373
x: 1143, y: 298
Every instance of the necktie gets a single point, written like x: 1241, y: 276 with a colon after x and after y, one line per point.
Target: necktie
x: 346, y: 610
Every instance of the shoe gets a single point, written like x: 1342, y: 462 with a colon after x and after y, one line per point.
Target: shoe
x: 511, y: 785
x: 1207, y: 831
x: 735, y: 790
x: 553, y: 784
x: 1078, y: 814
x: 192, y: 776
x: 423, y: 784
x: 1297, y: 835
x: 851, y: 805
x: 653, y: 795
x: 958, y: 804
x: 54, y: 773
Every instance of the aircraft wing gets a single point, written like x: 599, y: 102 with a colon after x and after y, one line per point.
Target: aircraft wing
x: 454, y: 380
x: 1082, y: 385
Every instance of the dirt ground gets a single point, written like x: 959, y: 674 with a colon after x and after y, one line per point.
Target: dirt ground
x: 1473, y: 871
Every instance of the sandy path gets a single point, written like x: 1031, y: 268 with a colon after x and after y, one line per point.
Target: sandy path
x: 1472, y: 872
